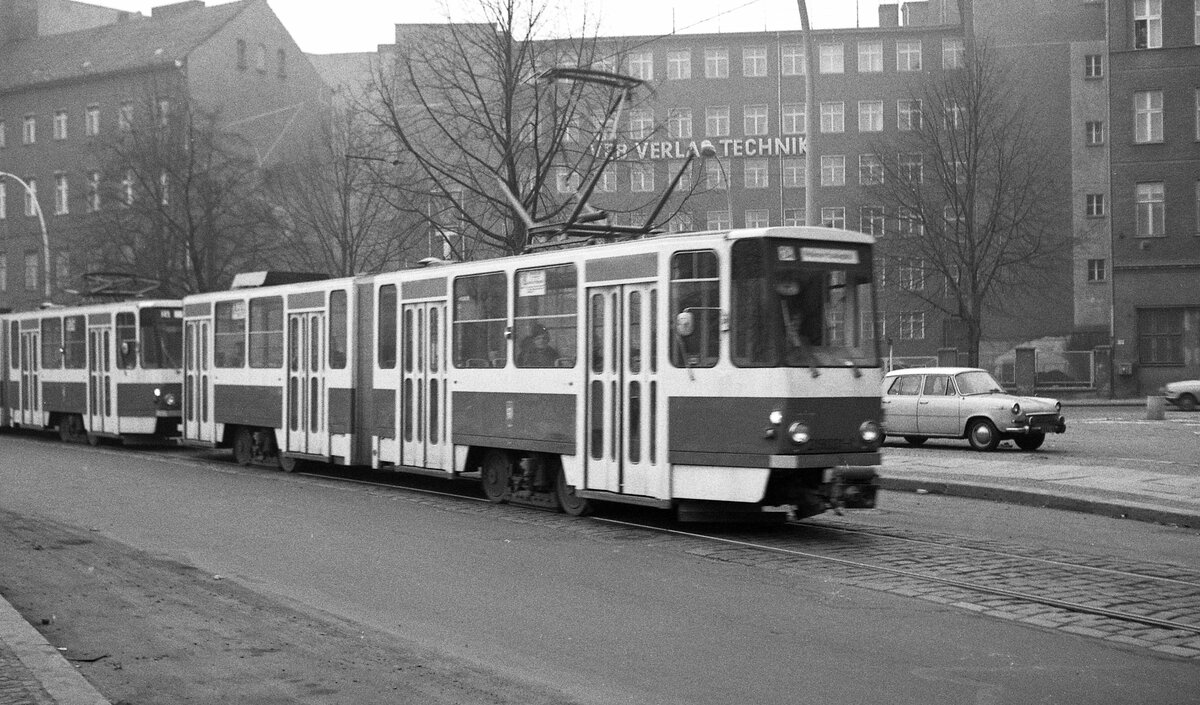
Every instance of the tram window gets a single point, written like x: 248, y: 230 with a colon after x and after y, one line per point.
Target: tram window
x: 545, y: 319
x: 266, y: 332
x: 385, y: 324
x: 337, y: 330
x: 695, y: 298
x: 229, y: 334
x: 52, y: 343
x: 406, y: 334
x: 74, y: 342
x: 435, y: 336
x: 480, y: 317
x: 161, y: 332
x: 597, y: 344
x: 126, y: 340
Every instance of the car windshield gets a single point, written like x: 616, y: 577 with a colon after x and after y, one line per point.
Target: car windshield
x: 977, y: 382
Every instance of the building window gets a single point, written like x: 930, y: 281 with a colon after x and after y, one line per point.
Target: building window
x: 1197, y: 208
x: 679, y: 123
x: 871, y: 220
x: 62, y: 269
x: 954, y: 53
x: 716, y: 121
x: 833, y: 217
x: 1093, y: 66
x: 1148, y: 116
x: 641, y: 178
x: 952, y: 116
x: 909, y: 224
x: 641, y: 123
x: 3, y: 200
x: 260, y: 58
x: 127, y: 187
x: 714, y: 175
x: 31, y: 204
x: 793, y: 169
x: 756, y: 174
x: 754, y: 120
x: 716, y: 63
x: 754, y: 61
x: 1196, y: 22
x: 719, y: 220
x: 241, y: 53
x: 61, y: 194
x: 29, y: 130
x: 3, y: 272
x: 1160, y: 336
x: 870, y: 116
x: 791, y: 118
x: 1093, y: 205
x: 791, y: 60
x: 833, y: 116
x: 911, y: 167
x: 908, y: 56
x: 60, y: 125
x: 3, y: 135
x: 680, y: 223
x: 910, y: 274
x: 870, y: 170
x: 759, y: 218
x: 1197, y: 118
x: 31, y: 271
x: 1150, y: 198
x: 685, y: 176
x: 912, y: 325
x: 641, y: 65
x: 1094, y: 132
x: 1097, y: 270
x: 93, y: 194
x: 125, y: 117
x: 908, y: 115
x: 1147, y: 24
x: 793, y: 217
x: 91, y: 121
x: 833, y: 170
x: 679, y: 65
x: 832, y: 58
x: 608, y: 182
x: 565, y: 180
x: 870, y: 57
x: 281, y: 63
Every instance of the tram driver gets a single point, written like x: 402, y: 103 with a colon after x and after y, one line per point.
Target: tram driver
x: 535, y: 349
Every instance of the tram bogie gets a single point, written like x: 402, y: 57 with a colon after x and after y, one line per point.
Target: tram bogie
x: 702, y: 372
x: 94, y: 372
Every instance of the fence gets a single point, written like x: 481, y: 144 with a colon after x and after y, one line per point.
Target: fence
x: 1054, y: 370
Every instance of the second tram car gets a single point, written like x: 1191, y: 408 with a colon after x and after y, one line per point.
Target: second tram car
x: 110, y: 370
x: 721, y: 372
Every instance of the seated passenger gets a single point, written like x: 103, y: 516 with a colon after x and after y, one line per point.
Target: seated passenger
x: 535, y: 349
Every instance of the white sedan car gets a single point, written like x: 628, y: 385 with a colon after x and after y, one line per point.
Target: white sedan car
x: 964, y: 402
x: 1184, y: 394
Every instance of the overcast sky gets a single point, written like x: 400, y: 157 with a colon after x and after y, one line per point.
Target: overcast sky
x: 332, y: 26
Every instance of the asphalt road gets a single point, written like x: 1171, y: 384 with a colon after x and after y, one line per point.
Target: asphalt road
x: 554, y: 604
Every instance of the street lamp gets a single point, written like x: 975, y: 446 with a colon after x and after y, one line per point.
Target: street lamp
x: 708, y: 151
x: 37, y: 208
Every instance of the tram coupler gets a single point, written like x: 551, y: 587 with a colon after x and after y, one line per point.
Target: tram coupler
x: 853, y: 488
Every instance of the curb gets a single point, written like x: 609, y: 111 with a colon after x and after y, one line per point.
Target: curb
x: 1034, y: 498
x: 57, y: 677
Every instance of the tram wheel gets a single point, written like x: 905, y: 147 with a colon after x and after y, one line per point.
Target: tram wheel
x: 243, y: 446
x: 570, y: 503
x: 70, y: 429
x: 495, y: 474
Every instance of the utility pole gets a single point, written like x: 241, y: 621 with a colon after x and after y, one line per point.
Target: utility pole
x: 37, y: 209
x: 810, y: 69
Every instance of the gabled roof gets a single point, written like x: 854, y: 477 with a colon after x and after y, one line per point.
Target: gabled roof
x: 132, y: 45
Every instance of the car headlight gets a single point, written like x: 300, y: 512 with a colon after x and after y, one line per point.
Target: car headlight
x: 1016, y: 409
x: 1057, y: 406
x: 799, y: 434
x: 869, y: 432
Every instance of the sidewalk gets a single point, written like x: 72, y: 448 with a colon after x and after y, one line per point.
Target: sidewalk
x: 32, y: 672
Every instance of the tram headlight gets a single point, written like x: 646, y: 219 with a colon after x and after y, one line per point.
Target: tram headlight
x: 799, y: 433
x: 776, y: 417
x: 870, y: 432
x: 170, y: 399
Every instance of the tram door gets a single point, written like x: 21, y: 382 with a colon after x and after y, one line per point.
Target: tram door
x: 622, y: 389
x: 30, y: 404
x: 423, y: 387
x: 307, y: 398
x: 101, y: 414
x: 197, y: 424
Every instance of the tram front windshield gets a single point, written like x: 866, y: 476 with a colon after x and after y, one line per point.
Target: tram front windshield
x: 162, y: 338
x: 802, y: 303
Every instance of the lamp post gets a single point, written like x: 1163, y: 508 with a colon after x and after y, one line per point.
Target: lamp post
x: 37, y: 208
x: 708, y: 151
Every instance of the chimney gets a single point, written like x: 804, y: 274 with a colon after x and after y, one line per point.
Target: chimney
x: 165, y: 11
x: 18, y: 20
x: 889, y: 15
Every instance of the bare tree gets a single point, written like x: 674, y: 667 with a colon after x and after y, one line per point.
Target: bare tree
x: 176, y: 199
x: 464, y: 103
x: 334, y: 207
x: 970, y: 194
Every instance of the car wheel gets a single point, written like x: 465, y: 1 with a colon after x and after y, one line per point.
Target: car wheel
x: 1187, y: 402
x: 1032, y: 441
x: 915, y: 440
x: 982, y: 435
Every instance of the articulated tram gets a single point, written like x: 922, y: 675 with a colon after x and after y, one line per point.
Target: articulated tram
x: 711, y: 373
x: 111, y: 370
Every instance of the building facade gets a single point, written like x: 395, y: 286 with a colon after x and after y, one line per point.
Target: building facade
x: 70, y: 74
x: 1154, y: 111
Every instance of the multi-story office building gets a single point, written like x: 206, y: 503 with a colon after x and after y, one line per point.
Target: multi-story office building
x: 1154, y: 111
x: 71, y: 72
